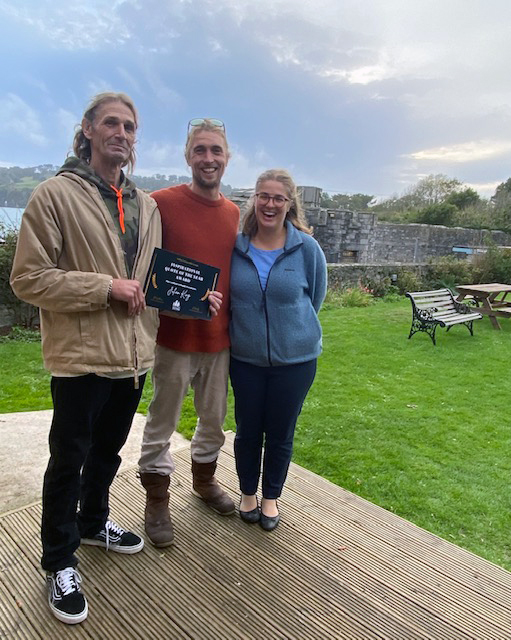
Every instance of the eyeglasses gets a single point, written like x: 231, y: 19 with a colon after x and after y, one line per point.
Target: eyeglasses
x: 278, y: 201
x: 197, y: 122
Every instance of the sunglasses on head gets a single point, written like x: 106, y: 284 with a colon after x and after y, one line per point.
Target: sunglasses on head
x: 197, y: 122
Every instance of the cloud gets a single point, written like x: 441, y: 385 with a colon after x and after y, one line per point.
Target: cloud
x: 242, y: 171
x: 67, y: 122
x: 466, y: 152
x: 485, y: 189
x: 160, y: 87
x: 69, y: 25
x: 217, y: 47
x: 98, y: 85
x: 155, y: 157
x: 352, y: 96
x: 439, y: 59
x: 129, y: 78
x: 17, y: 117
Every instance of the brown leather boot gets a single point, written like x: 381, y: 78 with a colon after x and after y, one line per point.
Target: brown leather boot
x: 158, y: 524
x: 205, y: 486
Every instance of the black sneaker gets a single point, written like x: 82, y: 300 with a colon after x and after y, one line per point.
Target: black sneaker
x: 112, y: 537
x: 67, y: 602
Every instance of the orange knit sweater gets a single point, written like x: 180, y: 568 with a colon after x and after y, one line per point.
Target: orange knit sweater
x: 204, y: 230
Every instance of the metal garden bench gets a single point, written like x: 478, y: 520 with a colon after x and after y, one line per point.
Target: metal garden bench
x: 439, y: 308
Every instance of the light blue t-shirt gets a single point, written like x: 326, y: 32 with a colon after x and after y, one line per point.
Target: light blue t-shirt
x: 263, y: 260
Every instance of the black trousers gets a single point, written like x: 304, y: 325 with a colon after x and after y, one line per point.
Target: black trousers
x: 268, y: 401
x: 91, y: 420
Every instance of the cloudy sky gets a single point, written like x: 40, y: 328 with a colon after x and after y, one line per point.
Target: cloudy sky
x: 352, y: 96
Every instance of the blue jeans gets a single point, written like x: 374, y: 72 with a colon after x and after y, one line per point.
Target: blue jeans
x: 268, y: 401
x: 91, y: 420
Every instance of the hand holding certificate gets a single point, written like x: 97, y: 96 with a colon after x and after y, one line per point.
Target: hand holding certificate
x: 178, y: 284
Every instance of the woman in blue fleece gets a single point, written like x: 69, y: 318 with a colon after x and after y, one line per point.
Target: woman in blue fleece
x: 278, y: 282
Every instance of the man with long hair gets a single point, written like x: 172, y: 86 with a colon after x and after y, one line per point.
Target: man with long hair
x: 85, y: 243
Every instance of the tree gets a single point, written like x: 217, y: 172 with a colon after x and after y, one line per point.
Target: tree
x: 441, y: 213
x: 353, y: 202
x: 433, y: 189
x: 502, y: 193
x: 502, y: 203
x: 462, y: 199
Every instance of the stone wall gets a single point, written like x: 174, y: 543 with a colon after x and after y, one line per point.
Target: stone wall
x: 417, y: 243
x: 347, y: 236
x: 6, y: 317
x: 341, y: 276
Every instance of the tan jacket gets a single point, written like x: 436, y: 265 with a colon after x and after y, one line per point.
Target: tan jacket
x: 68, y: 251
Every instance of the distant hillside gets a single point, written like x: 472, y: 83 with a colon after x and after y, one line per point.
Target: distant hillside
x: 17, y: 183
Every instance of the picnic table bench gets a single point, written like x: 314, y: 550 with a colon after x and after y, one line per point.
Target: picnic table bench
x: 439, y: 308
x: 490, y: 298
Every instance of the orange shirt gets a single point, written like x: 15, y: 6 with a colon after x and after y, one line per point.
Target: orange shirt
x: 204, y: 230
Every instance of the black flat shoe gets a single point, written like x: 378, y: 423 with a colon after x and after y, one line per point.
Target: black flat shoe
x: 250, y: 516
x: 269, y: 523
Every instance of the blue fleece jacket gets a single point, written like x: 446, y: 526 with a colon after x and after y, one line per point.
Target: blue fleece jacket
x: 280, y: 325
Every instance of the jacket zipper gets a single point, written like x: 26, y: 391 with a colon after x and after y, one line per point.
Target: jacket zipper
x: 134, y: 350
x: 265, y: 307
x: 268, y: 350
x: 134, y: 344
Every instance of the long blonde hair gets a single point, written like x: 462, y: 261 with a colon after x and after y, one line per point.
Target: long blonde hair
x: 295, y: 215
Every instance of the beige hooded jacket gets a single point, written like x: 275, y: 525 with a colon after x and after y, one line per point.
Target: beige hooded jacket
x: 68, y: 251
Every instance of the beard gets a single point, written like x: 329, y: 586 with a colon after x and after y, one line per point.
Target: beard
x: 213, y: 183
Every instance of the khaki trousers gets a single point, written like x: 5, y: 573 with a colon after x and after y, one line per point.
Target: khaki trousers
x: 174, y: 372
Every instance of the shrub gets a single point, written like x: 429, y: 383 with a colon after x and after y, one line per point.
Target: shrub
x: 22, y: 334
x: 355, y: 297
x: 447, y: 272
x: 350, y: 297
x: 476, y: 216
x: 492, y: 266
x: 392, y: 296
x: 333, y: 299
x: 378, y: 287
x: 408, y: 281
x: 23, y: 314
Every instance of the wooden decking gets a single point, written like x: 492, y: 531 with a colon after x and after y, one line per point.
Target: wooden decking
x: 337, y: 567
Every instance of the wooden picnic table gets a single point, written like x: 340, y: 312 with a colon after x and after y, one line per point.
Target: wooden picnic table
x: 491, y: 299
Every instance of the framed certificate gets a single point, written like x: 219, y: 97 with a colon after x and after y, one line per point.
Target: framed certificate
x: 179, y: 284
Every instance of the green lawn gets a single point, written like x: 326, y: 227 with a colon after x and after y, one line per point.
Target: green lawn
x: 420, y: 430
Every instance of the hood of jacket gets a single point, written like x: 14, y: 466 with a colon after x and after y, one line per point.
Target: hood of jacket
x: 84, y: 170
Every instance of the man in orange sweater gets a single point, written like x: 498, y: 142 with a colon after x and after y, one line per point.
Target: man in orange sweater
x: 200, y: 223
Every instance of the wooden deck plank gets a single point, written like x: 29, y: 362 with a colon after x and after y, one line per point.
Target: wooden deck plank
x: 171, y: 607
x: 337, y: 567
x: 311, y: 493
x: 25, y: 584
x: 385, y: 564
x: 217, y: 553
x: 329, y: 584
